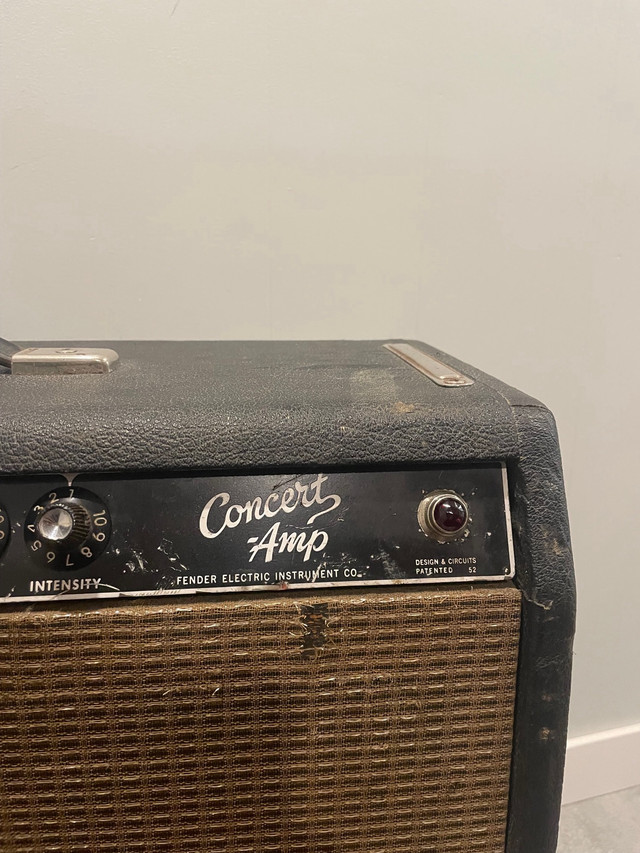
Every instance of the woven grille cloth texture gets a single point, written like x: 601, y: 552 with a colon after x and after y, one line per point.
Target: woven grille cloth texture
x: 357, y: 722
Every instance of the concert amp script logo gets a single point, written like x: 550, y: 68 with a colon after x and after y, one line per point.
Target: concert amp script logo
x: 214, y: 519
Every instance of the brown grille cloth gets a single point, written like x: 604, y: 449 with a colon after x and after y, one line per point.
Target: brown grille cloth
x: 356, y: 722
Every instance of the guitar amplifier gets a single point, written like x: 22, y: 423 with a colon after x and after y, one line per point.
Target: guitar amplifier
x: 295, y: 597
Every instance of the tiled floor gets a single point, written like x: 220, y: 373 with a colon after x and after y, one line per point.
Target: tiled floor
x: 609, y: 824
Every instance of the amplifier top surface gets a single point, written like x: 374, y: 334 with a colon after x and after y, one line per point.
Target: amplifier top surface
x: 249, y: 404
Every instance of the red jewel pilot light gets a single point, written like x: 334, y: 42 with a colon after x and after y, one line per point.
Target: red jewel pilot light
x: 443, y: 516
x: 450, y: 514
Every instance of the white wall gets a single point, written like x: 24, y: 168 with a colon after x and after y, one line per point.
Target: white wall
x: 459, y: 171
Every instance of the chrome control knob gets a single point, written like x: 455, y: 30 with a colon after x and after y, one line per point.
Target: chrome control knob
x: 65, y: 523
x: 444, y: 516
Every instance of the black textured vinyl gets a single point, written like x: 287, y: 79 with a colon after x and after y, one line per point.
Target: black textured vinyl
x: 242, y: 405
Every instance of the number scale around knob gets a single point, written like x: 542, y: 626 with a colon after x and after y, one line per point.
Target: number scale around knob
x: 67, y: 529
x: 5, y: 528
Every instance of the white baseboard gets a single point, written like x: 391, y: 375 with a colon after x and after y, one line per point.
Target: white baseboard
x: 602, y: 763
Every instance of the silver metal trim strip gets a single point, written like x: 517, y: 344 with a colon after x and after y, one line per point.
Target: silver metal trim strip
x: 436, y: 371
x: 507, y: 512
x: 273, y: 588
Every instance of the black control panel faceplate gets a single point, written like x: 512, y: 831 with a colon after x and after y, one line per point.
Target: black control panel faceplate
x: 179, y: 534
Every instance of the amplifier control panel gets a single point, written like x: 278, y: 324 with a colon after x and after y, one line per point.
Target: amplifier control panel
x: 90, y: 536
